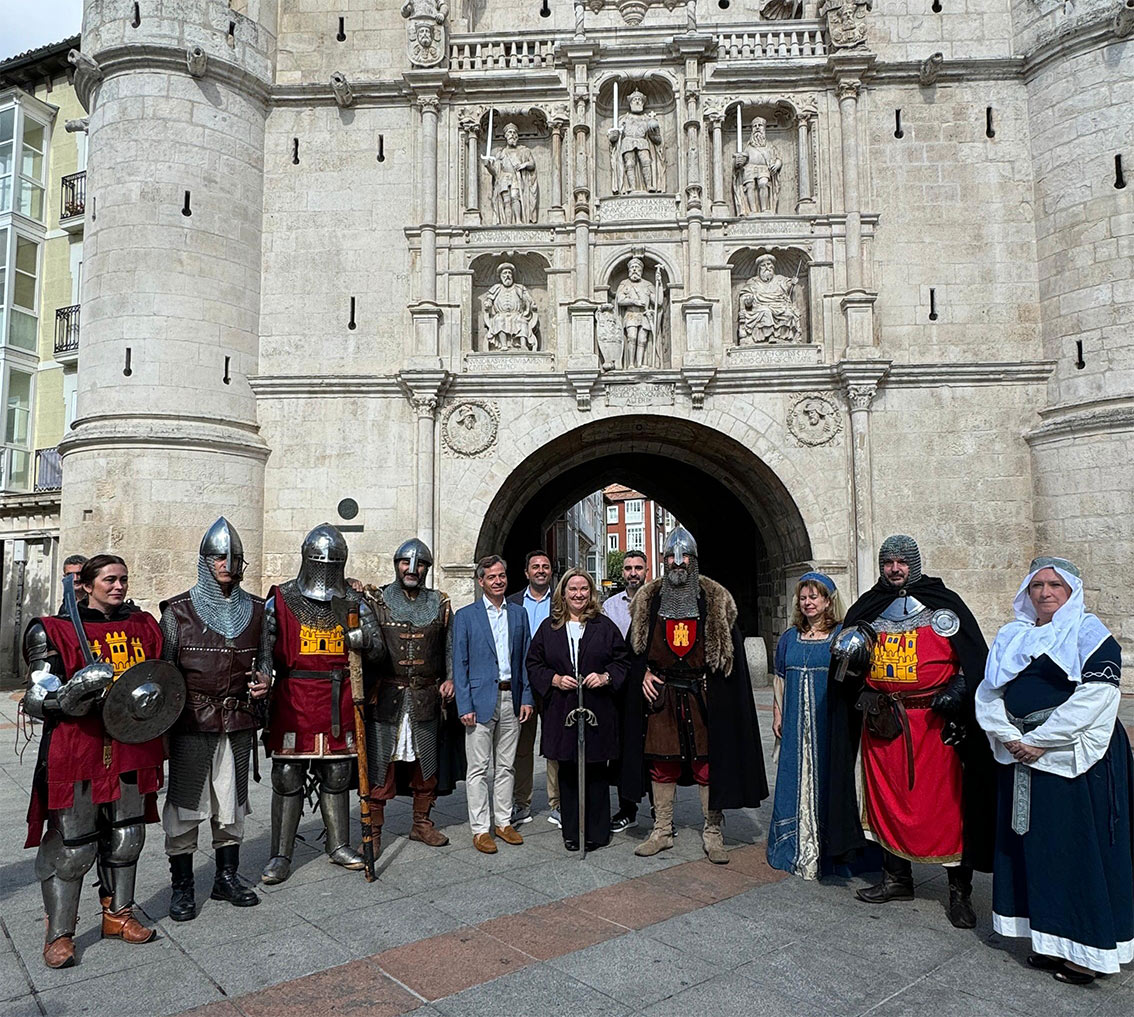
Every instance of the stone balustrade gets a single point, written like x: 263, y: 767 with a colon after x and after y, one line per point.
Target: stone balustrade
x: 804, y: 39
x: 514, y: 52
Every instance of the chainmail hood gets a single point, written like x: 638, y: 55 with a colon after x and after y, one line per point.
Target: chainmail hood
x: 680, y: 601
x: 229, y: 615
x: 903, y: 548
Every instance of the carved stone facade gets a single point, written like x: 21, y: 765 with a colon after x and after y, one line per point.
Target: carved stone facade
x: 722, y: 260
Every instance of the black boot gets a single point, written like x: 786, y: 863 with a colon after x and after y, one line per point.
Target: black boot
x: 960, y: 910
x: 228, y: 885
x: 182, y: 904
x: 897, y: 882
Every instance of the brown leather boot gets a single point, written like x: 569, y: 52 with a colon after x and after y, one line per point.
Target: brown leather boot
x: 377, y: 818
x: 423, y: 828
x: 59, y: 953
x: 123, y: 925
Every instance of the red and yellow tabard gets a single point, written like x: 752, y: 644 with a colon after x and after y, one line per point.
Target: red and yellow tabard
x: 925, y: 823
x: 681, y: 634
x: 78, y: 747
x: 300, y: 718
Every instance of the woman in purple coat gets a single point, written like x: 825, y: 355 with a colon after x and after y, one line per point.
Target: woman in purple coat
x: 577, y: 645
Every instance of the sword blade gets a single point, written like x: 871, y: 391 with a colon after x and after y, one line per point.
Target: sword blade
x: 71, y: 606
x: 581, y: 751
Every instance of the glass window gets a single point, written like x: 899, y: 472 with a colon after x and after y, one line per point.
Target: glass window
x: 612, y: 514
x: 612, y: 541
x: 635, y: 537
x: 32, y: 153
x: 3, y: 278
x: 7, y: 148
x: 18, y: 410
x: 634, y: 510
x: 24, y: 324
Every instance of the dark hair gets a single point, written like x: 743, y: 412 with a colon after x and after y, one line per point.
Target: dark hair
x: 75, y: 559
x: 539, y: 552
x: 93, y: 566
x: 487, y: 562
x: 634, y: 554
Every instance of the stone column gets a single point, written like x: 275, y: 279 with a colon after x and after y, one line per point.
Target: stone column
x: 424, y: 390
x: 471, y: 129
x: 803, y: 127
x: 582, y: 202
x: 848, y: 107
x: 716, y: 124
x: 430, y: 107
x: 558, y: 131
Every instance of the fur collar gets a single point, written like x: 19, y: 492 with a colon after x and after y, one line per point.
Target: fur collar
x: 720, y: 616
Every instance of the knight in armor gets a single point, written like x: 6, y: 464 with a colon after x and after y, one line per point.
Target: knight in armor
x: 306, y: 640
x: 694, y: 720
x: 92, y: 792
x: 906, y: 667
x: 211, y: 633
x: 412, y: 684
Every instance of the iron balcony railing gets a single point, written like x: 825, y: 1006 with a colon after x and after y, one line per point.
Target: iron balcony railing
x: 74, y: 197
x: 67, y: 329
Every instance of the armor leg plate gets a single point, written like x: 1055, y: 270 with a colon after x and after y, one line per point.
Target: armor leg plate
x: 61, y: 902
x: 287, y: 808
x: 65, y: 855
x: 334, y: 803
x: 122, y: 835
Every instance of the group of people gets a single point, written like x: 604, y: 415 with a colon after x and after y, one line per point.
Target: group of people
x: 891, y: 720
x: 878, y: 716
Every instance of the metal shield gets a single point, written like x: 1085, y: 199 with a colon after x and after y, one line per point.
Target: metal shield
x: 143, y: 702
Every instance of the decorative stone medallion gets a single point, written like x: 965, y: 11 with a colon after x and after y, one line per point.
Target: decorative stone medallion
x: 469, y: 428
x: 814, y: 419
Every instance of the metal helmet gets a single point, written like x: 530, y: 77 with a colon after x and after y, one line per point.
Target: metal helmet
x: 222, y: 541
x: 322, y: 570
x: 416, y: 552
x: 853, y: 651
x: 680, y: 543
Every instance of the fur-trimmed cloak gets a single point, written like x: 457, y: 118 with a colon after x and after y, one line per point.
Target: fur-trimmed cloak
x: 736, y: 760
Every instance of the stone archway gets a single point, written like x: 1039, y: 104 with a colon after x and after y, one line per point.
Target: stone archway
x: 748, y: 528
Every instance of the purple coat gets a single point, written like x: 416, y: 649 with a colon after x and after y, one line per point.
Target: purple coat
x: 602, y: 650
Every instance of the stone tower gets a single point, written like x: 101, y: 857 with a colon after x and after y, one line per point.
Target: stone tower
x: 166, y: 427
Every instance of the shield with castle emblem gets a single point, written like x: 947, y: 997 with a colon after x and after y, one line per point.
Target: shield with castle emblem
x: 143, y: 702
x: 680, y: 634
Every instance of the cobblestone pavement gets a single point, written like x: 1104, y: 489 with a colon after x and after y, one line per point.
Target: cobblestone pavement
x: 530, y: 930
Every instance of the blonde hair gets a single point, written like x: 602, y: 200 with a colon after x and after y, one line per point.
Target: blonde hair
x: 559, y: 611
x: 832, y: 615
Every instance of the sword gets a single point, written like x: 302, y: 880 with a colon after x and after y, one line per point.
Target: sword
x: 358, y: 697
x: 580, y: 717
x: 71, y: 606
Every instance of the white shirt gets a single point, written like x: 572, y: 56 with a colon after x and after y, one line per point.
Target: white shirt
x: 498, y: 619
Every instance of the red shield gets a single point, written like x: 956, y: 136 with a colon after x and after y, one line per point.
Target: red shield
x: 680, y: 634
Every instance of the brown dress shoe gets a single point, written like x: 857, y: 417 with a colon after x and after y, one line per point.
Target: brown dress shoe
x: 484, y: 842
x: 59, y: 953
x: 123, y: 925
x: 509, y: 835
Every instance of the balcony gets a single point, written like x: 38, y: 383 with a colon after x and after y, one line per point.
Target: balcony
x: 48, y: 470
x: 67, y: 334
x: 73, y: 202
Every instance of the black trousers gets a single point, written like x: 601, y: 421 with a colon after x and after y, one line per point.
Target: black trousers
x: 597, y: 793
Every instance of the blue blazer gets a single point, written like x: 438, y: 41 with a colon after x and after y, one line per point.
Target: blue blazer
x: 475, y: 668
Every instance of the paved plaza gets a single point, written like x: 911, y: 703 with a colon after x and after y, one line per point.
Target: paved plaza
x: 531, y: 930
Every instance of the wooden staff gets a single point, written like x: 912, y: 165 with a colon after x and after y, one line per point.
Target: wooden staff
x: 358, y: 696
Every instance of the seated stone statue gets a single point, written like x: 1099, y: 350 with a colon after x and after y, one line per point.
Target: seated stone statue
x: 511, y: 321
x: 767, y: 312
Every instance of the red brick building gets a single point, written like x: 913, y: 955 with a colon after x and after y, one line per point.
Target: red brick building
x: 636, y: 523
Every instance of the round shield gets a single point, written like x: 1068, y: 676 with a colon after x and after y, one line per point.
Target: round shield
x: 144, y: 702
x: 945, y: 622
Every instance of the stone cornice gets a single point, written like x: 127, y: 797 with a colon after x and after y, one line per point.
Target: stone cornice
x: 1069, y: 43
x: 343, y: 386
x: 961, y: 71
x: 1027, y: 372
x: 148, y: 57
x: 30, y: 503
x: 1062, y: 422
x: 134, y: 430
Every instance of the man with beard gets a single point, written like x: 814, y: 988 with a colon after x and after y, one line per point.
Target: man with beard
x: 306, y: 640
x: 928, y: 791
x: 617, y: 609
x: 535, y: 599
x: 412, y: 684
x: 211, y: 634
x: 695, y: 722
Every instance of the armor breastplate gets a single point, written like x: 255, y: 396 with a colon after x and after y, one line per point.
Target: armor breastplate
x: 417, y: 651
x: 902, y: 614
x: 215, y: 669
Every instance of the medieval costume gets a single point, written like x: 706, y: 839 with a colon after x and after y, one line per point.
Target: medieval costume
x: 701, y: 726
x: 306, y: 641
x: 94, y: 793
x: 211, y: 636
x: 1063, y: 874
x: 925, y: 771
x: 407, y: 710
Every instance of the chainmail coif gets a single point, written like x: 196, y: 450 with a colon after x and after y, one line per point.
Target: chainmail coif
x: 904, y: 548
x: 680, y: 601
x: 229, y: 615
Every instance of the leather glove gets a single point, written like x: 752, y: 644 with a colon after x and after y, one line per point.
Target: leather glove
x: 950, y: 701
x: 85, y: 686
x: 954, y: 732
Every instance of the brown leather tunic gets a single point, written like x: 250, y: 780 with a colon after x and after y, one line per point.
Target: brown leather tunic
x: 677, y: 724
x: 216, y: 670
x: 416, y: 662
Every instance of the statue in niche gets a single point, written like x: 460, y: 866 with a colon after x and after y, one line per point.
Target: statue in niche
x: 756, y: 173
x: 426, y: 31
x: 511, y: 321
x: 638, y: 303
x: 637, y: 153
x: 781, y: 10
x: 767, y: 312
x: 846, y: 21
x: 515, y: 188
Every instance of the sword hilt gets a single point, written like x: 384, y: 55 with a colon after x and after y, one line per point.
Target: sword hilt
x: 581, y: 711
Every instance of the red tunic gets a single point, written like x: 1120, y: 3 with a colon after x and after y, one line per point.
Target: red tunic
x: 300, y: 720
x: 924, y: 824
x: 78, y: 747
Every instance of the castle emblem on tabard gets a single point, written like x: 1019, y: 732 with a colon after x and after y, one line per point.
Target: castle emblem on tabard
x: 426, y: 32
x: 469, y: 428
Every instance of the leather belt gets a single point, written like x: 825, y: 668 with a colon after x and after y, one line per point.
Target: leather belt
x: 907, y: 701
x: 336, y: 678
x: 684, y: 683
x: 504, y: 686
x: 225, y: 702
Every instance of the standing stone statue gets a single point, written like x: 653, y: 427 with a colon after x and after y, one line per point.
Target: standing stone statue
x: 515, y: 188
x: 756, y: 173
x: 426, y: 31
x: 511, y: 321
x: 767, y: 311
x: 636, y: 300
x: 637, y: 153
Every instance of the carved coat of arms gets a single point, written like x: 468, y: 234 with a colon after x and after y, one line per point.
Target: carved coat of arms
x: 426, y: 31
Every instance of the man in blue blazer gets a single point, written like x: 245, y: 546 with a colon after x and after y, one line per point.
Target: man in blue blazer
x: 490, y: 679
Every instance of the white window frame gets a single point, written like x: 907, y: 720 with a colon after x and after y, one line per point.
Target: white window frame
x: 612, y: 542
x: 8, y: 448
x: 635, y: 510
x: 636, y: 537
x: 612, y: 515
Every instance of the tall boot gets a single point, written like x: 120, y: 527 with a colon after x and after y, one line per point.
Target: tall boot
x: 897, y: 882
x: 661, y: 836
x: 182, y: 903
x: 377, y: 818
x: 286, y: 810
x: 711, y: 838
x: 423, y: 828
x: 336, y: 818
x: 227, y: 884
x: 960, y: 910
x: 118, y: 921
x: 61, y: 904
